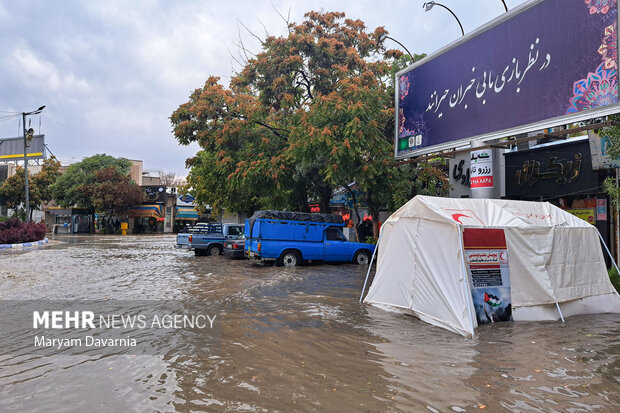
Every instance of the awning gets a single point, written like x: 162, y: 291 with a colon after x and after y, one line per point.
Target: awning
x: 147, y: 211
x: 186, y: 213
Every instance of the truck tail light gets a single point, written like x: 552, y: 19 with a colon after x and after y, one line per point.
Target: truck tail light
x: 190, y: 239
x: 226, y: 245
x: 258, y: 247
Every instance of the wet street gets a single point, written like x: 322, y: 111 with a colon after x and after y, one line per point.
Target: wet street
x: 292, y: 340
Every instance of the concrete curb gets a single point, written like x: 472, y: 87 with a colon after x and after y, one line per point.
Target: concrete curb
x: 23, y: 245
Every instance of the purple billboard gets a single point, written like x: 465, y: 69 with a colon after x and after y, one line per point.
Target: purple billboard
x: 548, y: 62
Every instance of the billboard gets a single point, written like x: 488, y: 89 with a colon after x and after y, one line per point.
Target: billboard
x: 545, y: 63
x: 12, y: 149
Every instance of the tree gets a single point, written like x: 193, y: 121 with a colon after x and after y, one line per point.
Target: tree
x: 253, y: 133
x: 69, y: 190
x: 613, y: 151
x: 12, y: 190
x: 112, y: 192
x: 168, y: 178
x: 66, y: 190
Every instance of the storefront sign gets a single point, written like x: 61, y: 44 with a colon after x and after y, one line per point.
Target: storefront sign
x: 481, y: 167
x: 459, y: 176
x: 486, y: 257
x: 588, y: 215
x: 155, y: 194
x: 544, y: 63
x: 551, y: 171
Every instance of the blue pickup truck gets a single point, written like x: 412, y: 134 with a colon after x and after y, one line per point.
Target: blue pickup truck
x: 289, y: 238
x: 209, y: 239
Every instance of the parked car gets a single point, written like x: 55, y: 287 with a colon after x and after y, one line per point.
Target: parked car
x: 289, y: 238
x: 235, y: 248
x: 210, y: 240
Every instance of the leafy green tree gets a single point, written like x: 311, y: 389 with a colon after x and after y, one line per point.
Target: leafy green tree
x: 67, y: 188
x: 12, y: 190
x: 112, y: 192
x: 613, y: 150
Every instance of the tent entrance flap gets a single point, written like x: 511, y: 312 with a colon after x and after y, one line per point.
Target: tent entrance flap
x: 466, y: 283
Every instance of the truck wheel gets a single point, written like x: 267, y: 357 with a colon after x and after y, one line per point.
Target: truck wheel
x: 362, y: 258
x: 290, y: 259
x: 214, y: 251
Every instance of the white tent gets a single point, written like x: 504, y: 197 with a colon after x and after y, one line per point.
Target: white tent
x: 551, y: 263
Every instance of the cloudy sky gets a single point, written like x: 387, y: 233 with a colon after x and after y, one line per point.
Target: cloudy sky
x: 111, y: 72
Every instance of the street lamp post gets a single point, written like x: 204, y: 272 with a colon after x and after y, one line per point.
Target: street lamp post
x: 429, y: 5
x: 401, y: 45
x: 28, y: 135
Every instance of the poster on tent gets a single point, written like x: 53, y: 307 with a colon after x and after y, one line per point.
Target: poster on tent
x: 486, y: 258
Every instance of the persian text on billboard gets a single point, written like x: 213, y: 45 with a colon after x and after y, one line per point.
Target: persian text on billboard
x: 555, y: 58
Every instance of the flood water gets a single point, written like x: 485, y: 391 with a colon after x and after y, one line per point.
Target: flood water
x: 293, y: 340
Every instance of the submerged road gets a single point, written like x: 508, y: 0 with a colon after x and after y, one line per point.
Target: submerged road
x: 291, y: 340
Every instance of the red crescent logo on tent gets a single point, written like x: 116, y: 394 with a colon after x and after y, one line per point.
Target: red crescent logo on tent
x: 457, y: 217
x: 502, y: 256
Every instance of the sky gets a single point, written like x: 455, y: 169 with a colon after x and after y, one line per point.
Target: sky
x: 111, y: 72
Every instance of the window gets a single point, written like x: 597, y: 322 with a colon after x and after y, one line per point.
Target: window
x: 235, y: 231
x: 333, y: 234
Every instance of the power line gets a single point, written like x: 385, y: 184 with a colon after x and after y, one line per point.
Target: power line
x: 9, y: 116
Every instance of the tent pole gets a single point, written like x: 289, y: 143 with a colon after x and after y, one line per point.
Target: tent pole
x: 608, y: 252
x: 371, y: 261
x: 468, y: 296
x: 559, y: 311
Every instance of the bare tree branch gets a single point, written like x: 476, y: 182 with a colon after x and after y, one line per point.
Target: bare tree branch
x: 287, y: 20
x: 273, y: 129
x: 234, y: 58
x: 264, y: 28
x: 250, y: 32
x: 240, y: 44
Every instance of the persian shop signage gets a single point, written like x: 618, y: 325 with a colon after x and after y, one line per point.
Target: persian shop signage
x: 587, y: 214
x: 545, y: 60
x: 481, y: 169
x: 551, y: 171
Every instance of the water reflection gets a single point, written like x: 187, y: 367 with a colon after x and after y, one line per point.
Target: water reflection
x: 293, y: 340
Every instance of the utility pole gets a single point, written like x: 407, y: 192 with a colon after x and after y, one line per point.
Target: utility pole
x: 27, y: 217
x: 28, y: 135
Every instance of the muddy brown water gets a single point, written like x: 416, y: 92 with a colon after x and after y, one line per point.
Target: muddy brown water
x: 293, y: 340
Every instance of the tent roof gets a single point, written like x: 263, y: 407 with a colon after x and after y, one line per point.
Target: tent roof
x: 487, y: 212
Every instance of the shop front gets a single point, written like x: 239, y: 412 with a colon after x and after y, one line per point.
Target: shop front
x: 68, y: 220
x: 184, y: 216
x: 145, y: 219
x: 185, y: 213
x: 563, y: 175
